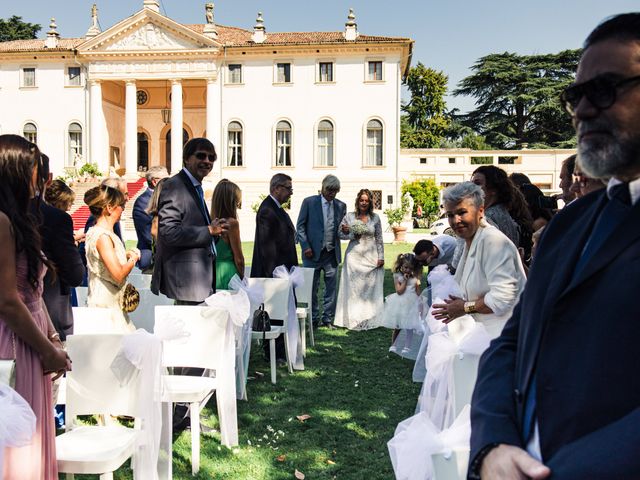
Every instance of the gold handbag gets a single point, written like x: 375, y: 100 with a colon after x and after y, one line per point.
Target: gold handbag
x: 130, y: 298
x: 8, y: 367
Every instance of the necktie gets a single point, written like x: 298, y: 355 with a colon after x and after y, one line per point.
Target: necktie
x: 328, y: 227
x: 612, y: 215
x: 205, y: 213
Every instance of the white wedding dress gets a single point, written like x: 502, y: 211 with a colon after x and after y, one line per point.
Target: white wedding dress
x: 360, y: 298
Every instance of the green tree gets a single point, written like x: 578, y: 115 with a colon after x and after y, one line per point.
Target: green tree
x: 425, y: 123
x: 517, y: 99
x: 424, y: 193
x: 15, y: 29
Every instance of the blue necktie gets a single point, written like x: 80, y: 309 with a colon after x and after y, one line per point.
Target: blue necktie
x: 612, y: 215
x: 205, y: 212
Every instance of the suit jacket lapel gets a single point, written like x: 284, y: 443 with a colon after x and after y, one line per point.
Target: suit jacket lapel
x: 284, y: 215
x: 320, y: 209
x: 194, y: 194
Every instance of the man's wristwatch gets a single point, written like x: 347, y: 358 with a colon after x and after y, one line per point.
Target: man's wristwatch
x: 469, y: 307
x: 476, y: 465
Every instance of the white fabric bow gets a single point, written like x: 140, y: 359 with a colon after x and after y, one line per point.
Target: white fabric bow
x: 295, y: 278
x: 236, y: 303
x: 438, y: 395
x: 416, y: 439
x: 17, y: 421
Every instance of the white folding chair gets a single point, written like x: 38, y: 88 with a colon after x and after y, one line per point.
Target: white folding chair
x: 143, y: 316
x: 247, y: 271
x: 140, y: 280
x: 276, y: 303
x: 304, y: 294
x: 81, y: 295
x: 92, y: 320
x: 92, y: 388
x: 209, y: 345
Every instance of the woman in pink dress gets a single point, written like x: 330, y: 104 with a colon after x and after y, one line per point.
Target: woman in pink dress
x: 26, y: 332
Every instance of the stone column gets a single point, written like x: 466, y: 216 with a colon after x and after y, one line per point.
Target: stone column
x: 131, y: 129
x: 176, y: 126
x: 213, y: 101
x: 98, y: 140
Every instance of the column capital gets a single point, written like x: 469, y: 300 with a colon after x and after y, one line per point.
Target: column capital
x: 210, y: 80
x: 130, y: 82
x: 95, y: 81
x: 176, y: 81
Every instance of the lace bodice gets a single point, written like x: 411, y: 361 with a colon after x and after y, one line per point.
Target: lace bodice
x: 95, y: 264
x: 373, y: 232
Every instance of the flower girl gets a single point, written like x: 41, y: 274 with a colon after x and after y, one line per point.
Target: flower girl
x: 402, y: 309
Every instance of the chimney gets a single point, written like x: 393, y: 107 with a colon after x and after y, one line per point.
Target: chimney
x: 259, y: 33
x: 94, y: 29
x: 351, y: 27
x: 52, y: 35
x: 152, y: 5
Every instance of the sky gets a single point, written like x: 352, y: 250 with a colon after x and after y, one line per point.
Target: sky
x: 450, y: 35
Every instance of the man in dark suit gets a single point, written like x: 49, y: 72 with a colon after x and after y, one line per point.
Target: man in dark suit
x: 317, y: 233
x: 558, y: 393
x: 142, y: 220
x: 184, y: 268
x: 274, y: 243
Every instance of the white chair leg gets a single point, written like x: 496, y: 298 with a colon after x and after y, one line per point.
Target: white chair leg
x: 303, y: 335
x: 312, y: 340
x: 194, y: 410
x: 272, y: 356
x: 106, y: 476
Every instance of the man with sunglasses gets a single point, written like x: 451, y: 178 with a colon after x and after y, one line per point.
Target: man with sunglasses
x: 558, y: 393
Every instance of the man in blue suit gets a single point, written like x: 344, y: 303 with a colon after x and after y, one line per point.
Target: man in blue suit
x: 558, y: 393
x: 142, y: 220
x: 317, y: 233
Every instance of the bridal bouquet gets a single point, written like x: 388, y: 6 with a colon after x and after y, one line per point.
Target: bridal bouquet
x: 358, y: 228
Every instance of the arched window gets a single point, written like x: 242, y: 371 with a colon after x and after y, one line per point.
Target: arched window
x: 75, y: 145
x: 30, y: 132
x: 325, y: 144
x: 374, y: 143
x: 234, y: 145
x: 283, y: 144
x: 143, y: 152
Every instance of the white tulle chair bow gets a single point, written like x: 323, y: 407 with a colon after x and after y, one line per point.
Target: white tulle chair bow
x: 295, y: 277
x: 241, y: 303
x: 142, y: 352
x: 416, y: 439
x: 17, y: 421
x: 439, y: 397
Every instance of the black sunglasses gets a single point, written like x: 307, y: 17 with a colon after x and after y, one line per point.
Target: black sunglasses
x: 204, y: 155
x: 601, y: 92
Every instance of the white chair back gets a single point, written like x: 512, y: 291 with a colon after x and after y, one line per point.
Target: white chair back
x: 204, y: 347
x: 452, y: 466
x: 81, y: 294
x: 139, y: 280
x: 465, y: 372
x: 247, y: 271
x: 304, y: 294
x: 92, y: 321
x: 144, y: 315
x: 92, y: 387
x: 276, y: 296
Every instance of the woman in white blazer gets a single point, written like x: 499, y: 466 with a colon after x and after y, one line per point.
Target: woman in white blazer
x: 490, y: 271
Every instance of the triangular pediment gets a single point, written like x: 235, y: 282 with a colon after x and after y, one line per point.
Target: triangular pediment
x: 147, y: 31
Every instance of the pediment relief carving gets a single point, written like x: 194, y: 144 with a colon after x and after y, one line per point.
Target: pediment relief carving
x: 151, y: 37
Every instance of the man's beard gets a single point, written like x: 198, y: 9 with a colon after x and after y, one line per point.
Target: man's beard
x: 607, y: 156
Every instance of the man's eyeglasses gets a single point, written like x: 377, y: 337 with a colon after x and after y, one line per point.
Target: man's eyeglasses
x: 289, y: 188
x: 204, y: 155
x: 601, y: 92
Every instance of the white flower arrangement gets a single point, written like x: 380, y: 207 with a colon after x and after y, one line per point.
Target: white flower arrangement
x: 358, y: 228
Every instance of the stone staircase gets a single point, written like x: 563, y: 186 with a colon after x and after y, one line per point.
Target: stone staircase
x: 80, y: 212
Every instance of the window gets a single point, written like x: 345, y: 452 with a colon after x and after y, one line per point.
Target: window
x: 423, y: 161
x: 283, y: 73
x: 325, y: 72
x: 452, y: 160
x: 30, y: 132
x: 234, y: 145
x: 375, y: 71
x: 75, y: 145
x: 507, y: 160
x: 374, y: 144
x: 283, y: 144
x: 235, y: 73
x: 376, y: 199
x: 73, y: 76
x: 481, y: 160
x: 29, y: 77
x: 325, y: 144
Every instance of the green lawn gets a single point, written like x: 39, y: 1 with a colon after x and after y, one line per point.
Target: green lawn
x: 353, y: 390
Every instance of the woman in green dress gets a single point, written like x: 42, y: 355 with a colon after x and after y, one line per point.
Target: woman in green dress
x: 227, y: 198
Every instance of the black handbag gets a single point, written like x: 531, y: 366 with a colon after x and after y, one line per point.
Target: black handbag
x: 261, y: 321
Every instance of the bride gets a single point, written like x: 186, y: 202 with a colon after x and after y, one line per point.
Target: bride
x: 360, y: 299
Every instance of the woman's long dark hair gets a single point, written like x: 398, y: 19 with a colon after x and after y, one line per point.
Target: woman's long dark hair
x: 18, y: 157
x: 367, y: 192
